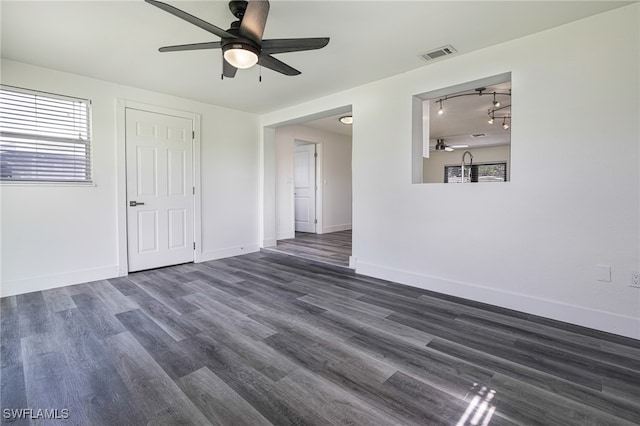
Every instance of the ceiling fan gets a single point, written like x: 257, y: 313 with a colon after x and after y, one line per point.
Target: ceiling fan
x: 242, y: 44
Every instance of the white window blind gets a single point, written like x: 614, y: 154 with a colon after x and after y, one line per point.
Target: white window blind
x: 44, y: 137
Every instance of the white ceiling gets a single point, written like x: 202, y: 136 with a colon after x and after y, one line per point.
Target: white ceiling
x: 331, y: 124
x: 370, y: 40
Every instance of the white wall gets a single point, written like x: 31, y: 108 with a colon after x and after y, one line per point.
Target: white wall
x: 336, y: 179
x: 433, y: 167
x: 563, y: 212
x: 60, y: 235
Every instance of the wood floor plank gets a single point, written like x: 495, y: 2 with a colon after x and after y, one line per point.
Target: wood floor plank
x: 543, y: 337
x: 219, y: 403
x: 233, y: 302
x: 153, y: 390
x: 448, y: 374
x: 251, y: 385
x: 165, y: 291
x: 329, y: 401
x: 101, y: 391
x: 264, y: 339
x: 423, y: 403
x: 97, y: 315
x: 333, y: 248
x: 48, y: 377
x: 230, y: 318
x: 625, y: 408
x: 536, y: 406
x: 168, y: 353
x: 58, y: 299
x: 33, y: 315
x: 115, y: 301
x: 500, y: 346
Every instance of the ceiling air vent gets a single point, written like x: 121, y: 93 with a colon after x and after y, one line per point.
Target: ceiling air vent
x: 479, y: 135
x: 437, y: 53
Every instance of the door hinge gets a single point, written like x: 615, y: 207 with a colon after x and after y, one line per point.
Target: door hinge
x: 194, y: 190
x: 194, y: 245
x: 315, y: 220
x: 315, y: 154
x: 193, y: 134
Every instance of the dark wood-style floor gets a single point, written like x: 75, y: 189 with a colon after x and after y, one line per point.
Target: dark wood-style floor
x: 259, y: 339
x: 333, y: 248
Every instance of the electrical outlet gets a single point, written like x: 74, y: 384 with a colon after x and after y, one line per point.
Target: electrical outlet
x: 635, y: 279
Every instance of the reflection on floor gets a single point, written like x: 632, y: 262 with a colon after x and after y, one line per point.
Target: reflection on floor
x: 333, y: 248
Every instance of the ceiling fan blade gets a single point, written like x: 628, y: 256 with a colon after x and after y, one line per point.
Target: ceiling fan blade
x: 254, y: 20
x: 192, y: 46
x: 228, y: 70
x: 191, y: 19
x: 293, y: 44
x: 274, y: 64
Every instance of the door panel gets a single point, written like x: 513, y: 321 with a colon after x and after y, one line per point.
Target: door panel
x: 176, y: 172
x: 147, y: 161
x: 305, y: 188
x: 147, y: 231
x: 177, y: 229
x: 159, y: 181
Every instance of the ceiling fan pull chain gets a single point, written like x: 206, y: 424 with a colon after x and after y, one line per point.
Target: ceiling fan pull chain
x: 260, y: 75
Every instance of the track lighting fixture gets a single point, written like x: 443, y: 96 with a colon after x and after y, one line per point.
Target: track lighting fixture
x: 496, y: 105
x: 507, y: 115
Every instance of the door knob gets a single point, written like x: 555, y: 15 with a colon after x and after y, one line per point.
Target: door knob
x: 135, y: 203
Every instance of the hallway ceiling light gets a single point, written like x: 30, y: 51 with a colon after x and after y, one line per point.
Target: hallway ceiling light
x: 346, y: 119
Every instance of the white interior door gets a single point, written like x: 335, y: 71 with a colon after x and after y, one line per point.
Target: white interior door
x: 159, y: 189
x: 305, y: 188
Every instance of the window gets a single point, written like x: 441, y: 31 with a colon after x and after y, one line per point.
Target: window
x: 490, y: 172
x: 44, y: 137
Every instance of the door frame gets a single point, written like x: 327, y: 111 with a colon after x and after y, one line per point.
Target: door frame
x: 121, y: 176
x: 319, y: 180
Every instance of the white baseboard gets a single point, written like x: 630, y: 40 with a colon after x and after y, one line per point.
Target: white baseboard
x: 229, y: 252
x: 286, y: 235
x: 271, y: 242
x: 28, y: 285
x: 574, y: 314
x: 336, y: 228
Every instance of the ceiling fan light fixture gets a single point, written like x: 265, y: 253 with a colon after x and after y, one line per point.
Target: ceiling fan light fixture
x: 240, y: 55
x: 346, y: 119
